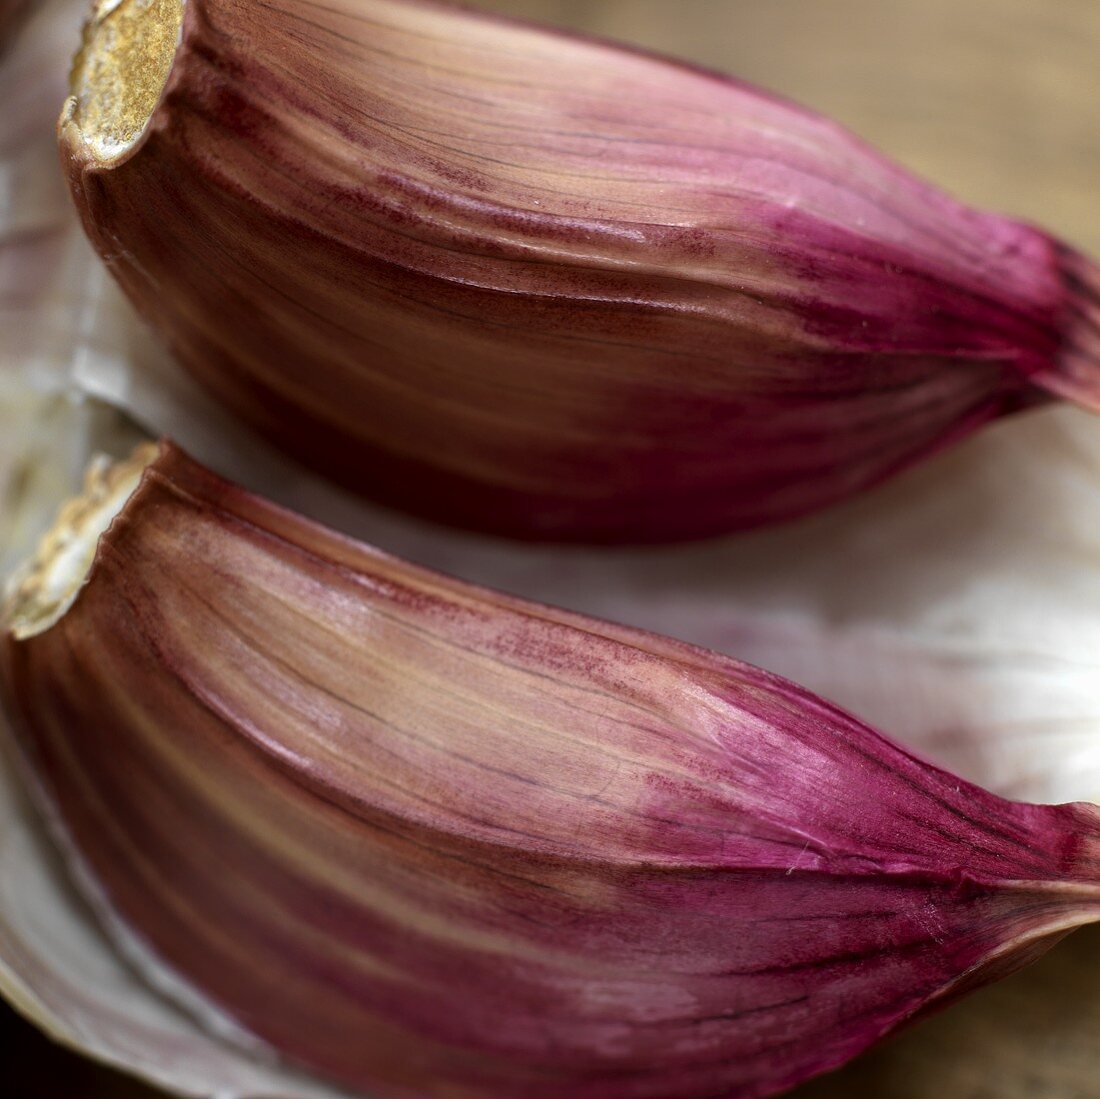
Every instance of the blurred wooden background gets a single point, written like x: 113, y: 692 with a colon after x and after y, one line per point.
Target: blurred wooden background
x: 998, y: 100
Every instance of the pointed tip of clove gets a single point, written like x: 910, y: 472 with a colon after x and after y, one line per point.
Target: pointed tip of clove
x: 41, y: 590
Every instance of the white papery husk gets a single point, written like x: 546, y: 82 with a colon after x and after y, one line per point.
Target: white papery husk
x: 958, y: 609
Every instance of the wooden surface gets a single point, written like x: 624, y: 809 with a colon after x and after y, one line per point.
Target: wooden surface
x: 999, y: 100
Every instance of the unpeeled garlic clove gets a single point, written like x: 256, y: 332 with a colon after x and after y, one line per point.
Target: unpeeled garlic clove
x: 433, y: 840
x: 541, y: 286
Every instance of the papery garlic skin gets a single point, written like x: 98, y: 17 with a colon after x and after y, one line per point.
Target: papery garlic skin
x: 434, y: 841
x: 545, y: 287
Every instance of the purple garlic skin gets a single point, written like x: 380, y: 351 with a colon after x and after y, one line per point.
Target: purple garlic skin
x: 546, y: 287
x: 435, y: 841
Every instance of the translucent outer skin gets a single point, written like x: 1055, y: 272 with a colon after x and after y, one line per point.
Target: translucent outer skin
x: 433, y: 841
x: 550, y: 288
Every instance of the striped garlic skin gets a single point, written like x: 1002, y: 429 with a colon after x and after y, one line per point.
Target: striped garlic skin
x: 434, y: 841
x: 550, y: 288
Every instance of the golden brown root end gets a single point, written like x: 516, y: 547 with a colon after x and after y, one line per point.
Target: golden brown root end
x: 40, y: 592
x: 121, y: 69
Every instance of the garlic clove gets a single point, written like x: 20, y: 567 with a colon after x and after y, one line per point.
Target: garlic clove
x: 544, y: 287
x: 480, y: 846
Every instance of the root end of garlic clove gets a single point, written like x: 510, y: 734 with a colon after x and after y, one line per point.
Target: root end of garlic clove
x: 120, y: 72
x: 45, y: 587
